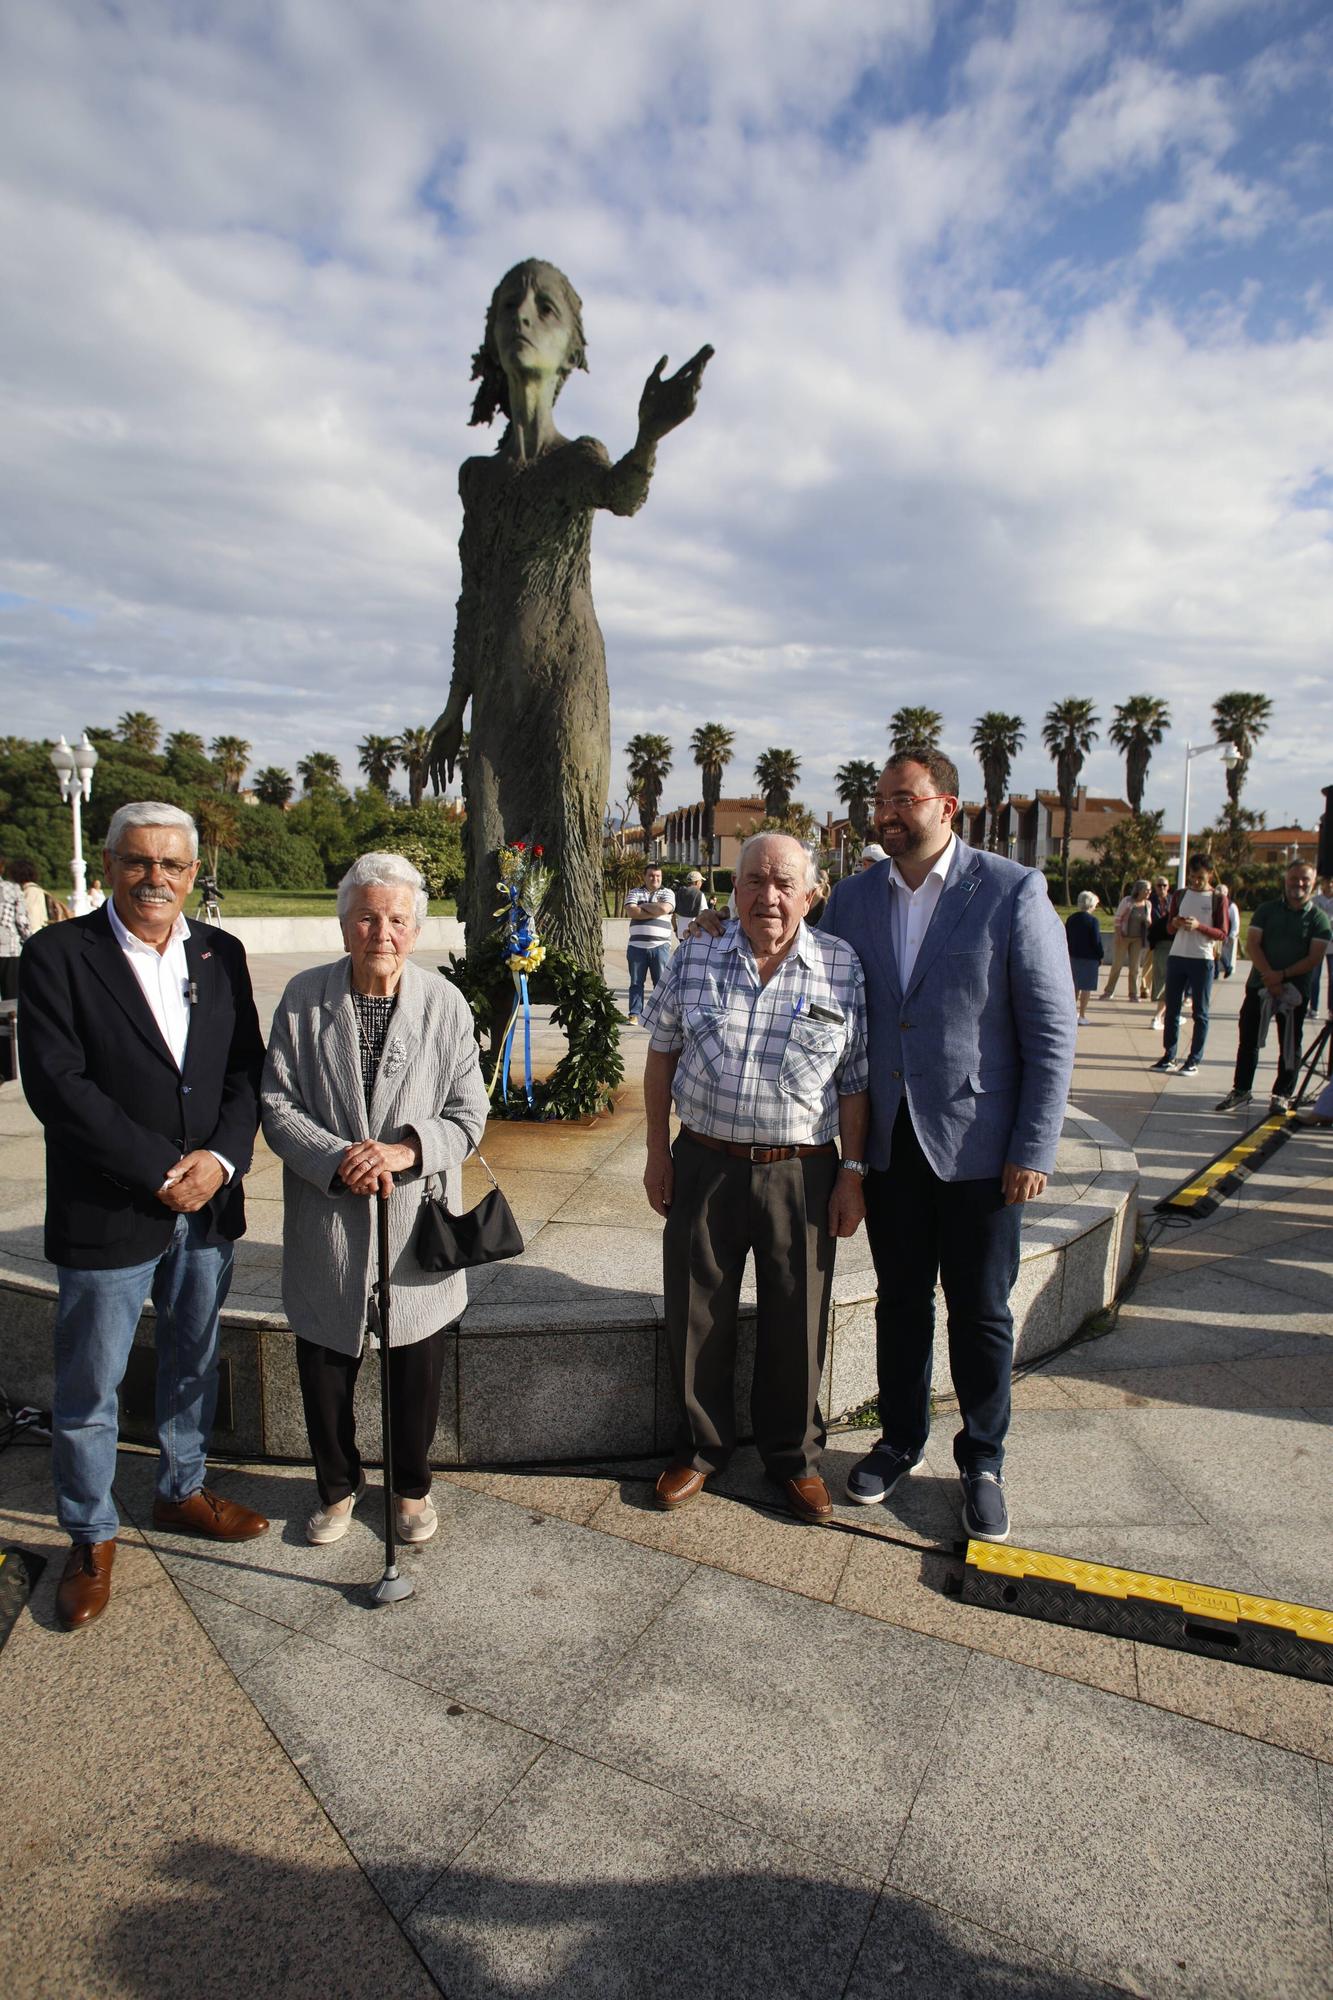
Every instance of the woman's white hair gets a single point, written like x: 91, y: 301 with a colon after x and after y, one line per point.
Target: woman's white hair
x: 1086, y: 900
x: 811, y: 865
x: 150, y: 812
x: 382, y: 871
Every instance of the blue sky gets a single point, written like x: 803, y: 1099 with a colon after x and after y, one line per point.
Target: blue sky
x: 1022, y: 386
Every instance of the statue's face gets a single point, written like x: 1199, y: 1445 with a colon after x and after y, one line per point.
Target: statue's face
x: 534, y: 328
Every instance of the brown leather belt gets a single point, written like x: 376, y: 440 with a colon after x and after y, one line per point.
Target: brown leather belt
x: 758, y: 1156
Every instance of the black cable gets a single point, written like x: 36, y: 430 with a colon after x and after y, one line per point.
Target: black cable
x: 31, y: 1425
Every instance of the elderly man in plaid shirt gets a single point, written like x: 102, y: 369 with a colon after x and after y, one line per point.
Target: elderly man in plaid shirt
x: 759, y: 1037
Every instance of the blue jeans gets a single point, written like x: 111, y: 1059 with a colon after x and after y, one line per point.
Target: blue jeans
x: 922, y: 1228
x: 95, y: 1322
x: 1195, y: 977
x: 643, y: 959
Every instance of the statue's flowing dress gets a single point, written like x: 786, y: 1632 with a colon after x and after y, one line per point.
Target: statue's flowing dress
x: 529, y: 651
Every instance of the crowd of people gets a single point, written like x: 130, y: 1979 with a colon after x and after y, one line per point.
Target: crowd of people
x: 1175, y: 944
x: 903, y: 1063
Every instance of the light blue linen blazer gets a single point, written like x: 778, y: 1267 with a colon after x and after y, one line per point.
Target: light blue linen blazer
x: 981, y: 1043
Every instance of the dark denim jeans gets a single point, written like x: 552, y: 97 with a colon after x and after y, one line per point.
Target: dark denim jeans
x: 1195, y: 977
x: 922, y: 1228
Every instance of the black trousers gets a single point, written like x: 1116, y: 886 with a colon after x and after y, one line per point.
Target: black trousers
x: 1247, y: 1046
x: 328, y: 1384
x: 961, y: 1232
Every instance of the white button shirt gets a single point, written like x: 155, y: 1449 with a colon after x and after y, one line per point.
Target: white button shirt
x: 910, y: 910
x: 164, y: 979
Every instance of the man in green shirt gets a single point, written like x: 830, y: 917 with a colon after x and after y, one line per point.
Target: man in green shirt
x: 1286, y: 940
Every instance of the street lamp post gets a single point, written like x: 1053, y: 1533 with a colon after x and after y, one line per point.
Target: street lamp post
x: 74, y: 768
x: 1230, y: 759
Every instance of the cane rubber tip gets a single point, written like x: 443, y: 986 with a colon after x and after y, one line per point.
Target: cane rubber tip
x: 392, y: 1589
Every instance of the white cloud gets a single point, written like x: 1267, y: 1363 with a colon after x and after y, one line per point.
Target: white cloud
x: 235, y: 361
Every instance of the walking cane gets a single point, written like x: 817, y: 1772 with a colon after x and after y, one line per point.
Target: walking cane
x: 392, y: 1587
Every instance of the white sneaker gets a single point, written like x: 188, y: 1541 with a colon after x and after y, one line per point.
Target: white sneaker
x: 330, y: 1524
x: 418, y: 1527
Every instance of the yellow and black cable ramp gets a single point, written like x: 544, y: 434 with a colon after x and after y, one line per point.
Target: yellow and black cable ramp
x: 1261, y: 1632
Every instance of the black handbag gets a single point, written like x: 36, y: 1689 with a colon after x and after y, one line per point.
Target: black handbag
x: 484, y: 1235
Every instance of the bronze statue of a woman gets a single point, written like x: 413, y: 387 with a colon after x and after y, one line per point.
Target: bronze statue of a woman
x: 528, y: 650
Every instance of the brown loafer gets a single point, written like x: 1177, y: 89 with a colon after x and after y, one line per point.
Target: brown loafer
x: 679, y: 1484
x: 206, y: 1513
x: 85, y: 1584
x: 808, y: 1498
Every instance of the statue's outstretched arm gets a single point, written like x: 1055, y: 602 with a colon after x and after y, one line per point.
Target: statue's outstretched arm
x: 665, y: 404
x: 447, y: 729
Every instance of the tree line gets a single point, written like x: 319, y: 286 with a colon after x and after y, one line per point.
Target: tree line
x: 289, y: 839
x: 1068, y: 732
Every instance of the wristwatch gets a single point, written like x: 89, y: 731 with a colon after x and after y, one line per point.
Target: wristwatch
x: 858, y: 1167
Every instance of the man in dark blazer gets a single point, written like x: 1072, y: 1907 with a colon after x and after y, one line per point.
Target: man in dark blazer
x: 970, y: 1021
x: 141, y: 1056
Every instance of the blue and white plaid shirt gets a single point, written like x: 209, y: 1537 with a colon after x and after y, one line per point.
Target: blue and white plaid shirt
x: 762, y: 1065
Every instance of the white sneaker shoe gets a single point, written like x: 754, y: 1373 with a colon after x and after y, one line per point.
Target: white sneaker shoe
x: 418, y: 1527
x: 330, y: 1524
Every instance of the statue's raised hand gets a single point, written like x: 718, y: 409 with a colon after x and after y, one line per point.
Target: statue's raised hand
x: 666, y: 403
x: 446, y: 742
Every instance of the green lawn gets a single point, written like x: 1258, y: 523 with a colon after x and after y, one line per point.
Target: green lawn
x: 294, y: 903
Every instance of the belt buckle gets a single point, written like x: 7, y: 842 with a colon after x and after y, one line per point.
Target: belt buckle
x: 755, y: 1151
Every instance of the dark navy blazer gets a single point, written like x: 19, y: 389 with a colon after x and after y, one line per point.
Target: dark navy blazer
x: 118, y: 1113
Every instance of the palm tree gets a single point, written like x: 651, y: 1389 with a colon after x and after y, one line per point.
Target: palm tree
x: 776, y: 774
x: 139, y: 732
x: 1069, y: 732
x: 914, y: 729
x: 649, y: 762
x: 710, y: 747
x: 181, y: 742
x: 1240, y: 719
x: 274, y: 786
x: 1138, y: 727
x: 319, y: 771
x: 854, y: 784
x: 378, y: 757
x: 215, y: 818
x: 231, y: 754
x: 997, y: 739
x: 414, y: 750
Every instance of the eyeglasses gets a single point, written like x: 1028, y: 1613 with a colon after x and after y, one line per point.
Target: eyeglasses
x: 901, y: 800
x: 144, y: 864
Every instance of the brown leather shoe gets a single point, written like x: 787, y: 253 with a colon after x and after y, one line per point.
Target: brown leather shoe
x: 679, y: 1484
x: 808, y: 1498
x: 85, y: 1584
x: 206, y: 1513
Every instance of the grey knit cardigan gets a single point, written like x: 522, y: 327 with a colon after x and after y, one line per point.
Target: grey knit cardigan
x: 314, y: 1107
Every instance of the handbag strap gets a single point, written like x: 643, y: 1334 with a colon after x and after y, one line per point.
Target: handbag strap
x: 439, y: 1178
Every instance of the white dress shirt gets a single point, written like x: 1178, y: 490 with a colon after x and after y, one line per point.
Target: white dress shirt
x: 910, y: 910
x: 164, y: 979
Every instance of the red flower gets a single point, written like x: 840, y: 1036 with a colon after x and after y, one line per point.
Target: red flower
x: 519, y: 846
x: 539, y: 849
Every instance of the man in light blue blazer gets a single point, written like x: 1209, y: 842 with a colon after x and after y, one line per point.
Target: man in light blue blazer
x: 971, y: 1028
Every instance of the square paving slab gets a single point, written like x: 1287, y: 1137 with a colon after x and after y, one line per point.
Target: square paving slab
x: 588, y: 1885
x: 1147, y: 1850
x: 786, y: 1715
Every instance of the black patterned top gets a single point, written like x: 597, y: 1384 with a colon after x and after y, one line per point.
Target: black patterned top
x: 374, y: 1011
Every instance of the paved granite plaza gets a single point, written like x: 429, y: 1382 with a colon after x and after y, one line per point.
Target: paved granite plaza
x: 605, y: 1751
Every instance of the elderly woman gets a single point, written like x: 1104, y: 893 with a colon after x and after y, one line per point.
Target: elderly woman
x: 372, y: 1084
x: 1086, y: 951
x: 1130, y: 939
